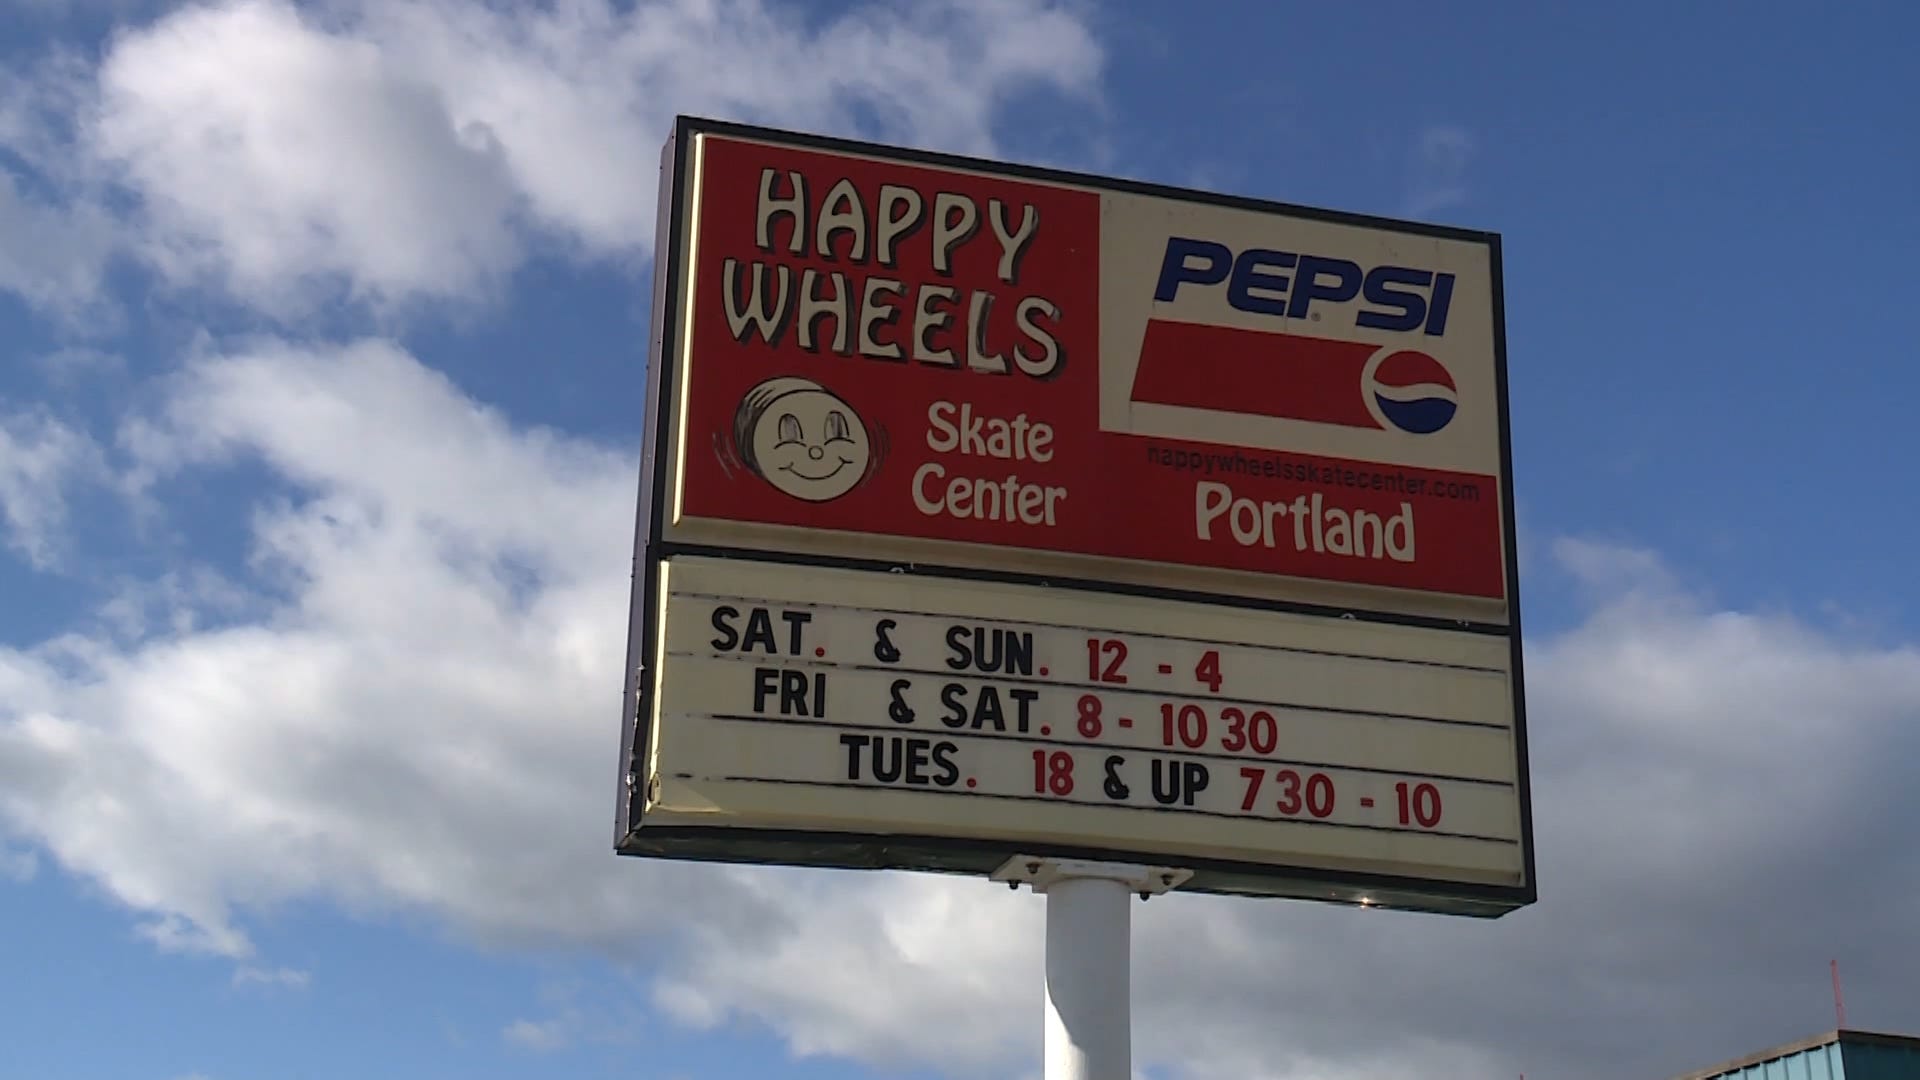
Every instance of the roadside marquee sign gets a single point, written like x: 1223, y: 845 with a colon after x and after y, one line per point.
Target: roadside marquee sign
x: 990, y: 510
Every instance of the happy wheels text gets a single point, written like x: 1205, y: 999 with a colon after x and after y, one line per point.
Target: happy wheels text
x: 898, y: 297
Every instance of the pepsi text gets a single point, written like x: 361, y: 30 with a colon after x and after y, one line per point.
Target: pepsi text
x: 1400, y: 298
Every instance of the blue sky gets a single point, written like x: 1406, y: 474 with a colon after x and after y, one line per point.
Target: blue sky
x: 323, y: 331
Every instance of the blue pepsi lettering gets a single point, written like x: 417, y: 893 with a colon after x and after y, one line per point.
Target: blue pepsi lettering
x: 1174, y: 268
x: 1411, y: 306
x: 1345, y: 287
x: 1437, y: 310
x: 1397, y: 298
x: 1248, y: 274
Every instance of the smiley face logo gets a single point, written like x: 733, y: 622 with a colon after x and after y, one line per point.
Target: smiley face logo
x: 803, y: 439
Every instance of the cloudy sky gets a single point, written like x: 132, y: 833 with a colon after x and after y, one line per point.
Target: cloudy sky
x: 321, y: 344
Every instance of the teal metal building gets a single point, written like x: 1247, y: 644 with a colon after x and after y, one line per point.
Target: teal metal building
x: 1837, y: 1055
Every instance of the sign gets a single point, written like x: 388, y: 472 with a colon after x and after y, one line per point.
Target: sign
x: 992, y: 511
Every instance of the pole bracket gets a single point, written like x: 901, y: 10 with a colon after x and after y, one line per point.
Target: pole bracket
x: 1039, y: 872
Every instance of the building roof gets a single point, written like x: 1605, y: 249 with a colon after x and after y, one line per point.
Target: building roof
x: 1847, y: 1036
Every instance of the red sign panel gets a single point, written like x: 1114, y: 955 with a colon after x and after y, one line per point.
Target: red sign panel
x: 883, y: 348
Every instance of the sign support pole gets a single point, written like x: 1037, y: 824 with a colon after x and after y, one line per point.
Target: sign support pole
x: 1089, y: 1023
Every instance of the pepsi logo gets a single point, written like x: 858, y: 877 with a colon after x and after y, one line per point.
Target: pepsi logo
x: 1409, y: 390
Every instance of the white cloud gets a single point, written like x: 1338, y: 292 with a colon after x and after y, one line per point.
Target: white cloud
x: 1438, y: 172
x: 418, y: 713
x: 72, y: 366
x: 291, y: 978
x: 410, y: 662
x: 961, y: 959
x: 40, y: 456
x: 1614, y: 570
x: 57, y: 238
x: 271, y: 151
x: 41, y: 100
x: 609, y: 1018
x: 52, y: 8
x: 551, y: 1034
x: 177, y: 600
x: 409, y: 150
x: 53, y: 255
x: 581, y: 98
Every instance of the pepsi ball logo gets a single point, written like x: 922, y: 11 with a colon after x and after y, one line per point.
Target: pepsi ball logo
x: 1410, y: 391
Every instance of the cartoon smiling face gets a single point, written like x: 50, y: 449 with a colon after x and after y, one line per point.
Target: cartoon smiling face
x: 802, y: 439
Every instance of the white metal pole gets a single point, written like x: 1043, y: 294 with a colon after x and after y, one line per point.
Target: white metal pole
x: 1089, y: 988
x: 1089, y: 1025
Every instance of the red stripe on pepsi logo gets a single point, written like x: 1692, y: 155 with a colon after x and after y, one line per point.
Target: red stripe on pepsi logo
x: 1226, y: 369
x: 1409, y: 368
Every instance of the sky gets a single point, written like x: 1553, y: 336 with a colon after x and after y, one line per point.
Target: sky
x: 322, y: 335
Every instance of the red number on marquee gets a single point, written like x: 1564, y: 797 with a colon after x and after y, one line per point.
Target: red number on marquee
x: 1192, y: 725
x: 1424, y: 804
x: 1289, y: 791
x: 1053, y: 772
x: 1253, y: 778
x: 1259, y: 731
x: 1319, y: 795
x: 1089, y: 716
x: 1208, y: 670
x: 1318, y: 790
x: 1116, y: 649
